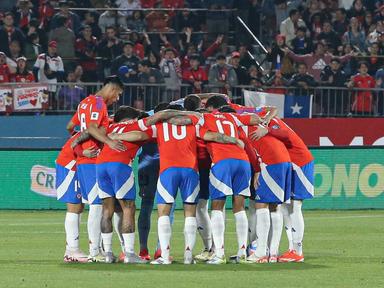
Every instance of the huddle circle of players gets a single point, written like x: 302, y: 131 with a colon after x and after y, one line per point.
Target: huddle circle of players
x: 221, y: 150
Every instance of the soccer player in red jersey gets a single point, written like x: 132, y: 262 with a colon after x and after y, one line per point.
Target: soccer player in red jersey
x: 92, y: 115
x: 68, y: 191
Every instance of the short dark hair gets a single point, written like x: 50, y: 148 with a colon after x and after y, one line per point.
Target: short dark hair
x: 302, y: 29
x: 216, y: 102
x: 342, y: 11
x: 335, y: 60
x: 142, y: 115
x: 362, y: 63
x: 175, y: 107
x: 194, y: 57
x: 115, y: 80
x: 227, y: 109
x: 126, y: 112
x: 192, y: 102
x: 9, y: 14
x: 220, y: 57
x: 293, y: 12
x: 161, y: 106
x: 145, y: 62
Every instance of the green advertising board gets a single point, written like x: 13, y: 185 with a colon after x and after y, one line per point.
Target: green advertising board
x: 350, y: 178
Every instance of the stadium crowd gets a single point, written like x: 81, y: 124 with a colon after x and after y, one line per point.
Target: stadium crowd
x: 310, y: 43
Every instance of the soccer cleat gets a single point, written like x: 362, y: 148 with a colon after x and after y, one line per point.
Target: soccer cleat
x: 157, y: 254
x: 75, y: 256
x: 97, y: 258
x: 255, y: 259
x: 144, y: 254
x: 188, y: 258
x: 121, y: 257
x: 109, y: 258
x: 273, y: 259
x: 291, y: 256
x: 161, y: 261
x: 217, y: 260
x: 205, y: 255
x: 235, y: 259
x: 132, y: 258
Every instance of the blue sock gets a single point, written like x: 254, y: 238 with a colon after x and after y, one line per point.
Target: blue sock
x: 144, y: 222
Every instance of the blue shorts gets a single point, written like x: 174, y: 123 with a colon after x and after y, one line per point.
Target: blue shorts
x: 275, y: 183
x: 229, y: 177
x: 115, y: 180
x: 86, y: 173
x: 67, y: 186
x: 204, y: 183
x: 174, y: 178
x: 302, y: 181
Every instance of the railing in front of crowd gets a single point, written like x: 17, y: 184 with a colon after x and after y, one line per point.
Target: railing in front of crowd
x: 61, y: 98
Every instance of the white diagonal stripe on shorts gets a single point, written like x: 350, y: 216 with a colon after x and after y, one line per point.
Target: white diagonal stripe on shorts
x: 125, y: 187
x: 70, y: 165
x: 275, y: 188
x: 93, y: 193
x: 192, y: 198
x: 222, y: 187
x: 103, y: 195
x: 164, y: 193
x: 246, y: 192
x: 303, y: 179
x: 65, y: 184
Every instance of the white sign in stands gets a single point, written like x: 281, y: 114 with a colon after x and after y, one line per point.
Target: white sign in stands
x: 30, y: 98
x: 5, y: 98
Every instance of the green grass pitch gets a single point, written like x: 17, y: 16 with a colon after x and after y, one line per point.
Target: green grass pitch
x: 342, y: 249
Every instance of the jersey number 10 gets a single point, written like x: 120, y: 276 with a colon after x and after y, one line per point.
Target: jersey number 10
x: 174, y: 131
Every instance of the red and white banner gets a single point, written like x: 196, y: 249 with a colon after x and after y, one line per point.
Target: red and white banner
x: 30, y: 98
x: 5, y: 98
x: 339, y: 131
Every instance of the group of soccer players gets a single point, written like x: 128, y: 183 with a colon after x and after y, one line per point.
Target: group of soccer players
x: 208, y: 149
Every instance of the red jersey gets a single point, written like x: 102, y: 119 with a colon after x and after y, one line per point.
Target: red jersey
x: 363, y: 98
x: 4, y: 73
x: 23, y: 78
x: 66, y: 157
x: 199, y: 75
x: 91, y: 110
x: 227, y: 124
x: 298, y: 151
x: 177, y: 144
x: 107, y: 154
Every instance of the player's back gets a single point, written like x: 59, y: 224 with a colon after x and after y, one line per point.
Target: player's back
x: 177, y: 145
x: 108, y: 154
x: 67, y: 157
x: 298, y: 151
x: 223, y: 123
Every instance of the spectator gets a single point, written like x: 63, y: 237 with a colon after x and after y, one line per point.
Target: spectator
x: 109, y: 48
x: 137, y: 22
x: 289, y: 26
x: 86, y: 47
x: 148, y: 3
x: 379, y: 77
x: 340, y: 25
x: 126, y: 59
x: 4, y: 69
x: 129, y: 6
x: 14, y: 53
x: 333, y: 101
x: 91, y: 19
x: 186, y: 19
x: 24, y: 14
x: 70, y: 94
x: 350, y: 67
x: 302, y: 81
x: 157, y: 21
x: 282, y: 8
x: 150, y: 75
x: 195, y: 75
x: 315, y: 25
x: 222, y: 76
x: 78, y: 74
x: 380, y: 15
x: 22, y: 75
x: 355, y: 36
x: 312, y: 10
x: 316, y: 61
x: 276, y: 83
x: 245, y: 59
x: 329, y: 36
x: 357, y: 10
x: 280, y: 61
x: 49, y: 68
x: 46, y: 12
x: 171, y: 70
x: 377, y: 34
x: 65, y: 39
x: 301, y: 44
x: 368, y: 24
x: 363, y: 99
x: 374, y: 59
x: 73, y: 20
x: 33, y: 27
x: 153, y: 60
x: 241, y: 71
x: 112, y: 18
x: 8, y: 33
x: 218, y: 21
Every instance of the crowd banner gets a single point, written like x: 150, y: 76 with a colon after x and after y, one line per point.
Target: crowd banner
x: 30, y: 97
x: 289, y: 106
x: 345, y: 178
x: 5, y: 98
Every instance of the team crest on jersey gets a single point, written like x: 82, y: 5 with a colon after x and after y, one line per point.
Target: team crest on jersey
x: 95, y: 115
x: 275, y: 126
x: 83, y: 106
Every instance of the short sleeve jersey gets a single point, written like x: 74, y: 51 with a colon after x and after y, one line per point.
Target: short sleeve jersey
x: 107, y: 154
x: 91, y: 110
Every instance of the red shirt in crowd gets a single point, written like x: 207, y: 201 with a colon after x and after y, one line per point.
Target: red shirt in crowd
x: 4, y: 73
x: 26, y: 77
x: 191, y: 76
x: 363, y: 99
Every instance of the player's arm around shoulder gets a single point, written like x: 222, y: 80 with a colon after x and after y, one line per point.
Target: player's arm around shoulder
x: 132, y: 136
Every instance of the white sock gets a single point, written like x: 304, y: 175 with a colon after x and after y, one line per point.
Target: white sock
x: 297, y: 226
x: 129, y: 242
x: 277, y: 229
x: 204, y: 223
x: 190, y: 227
x: 241, y: 232
x: 251, y: 222
x: 262, y: 230
x: 71, y: 225
x: 94, y: 228
x: 117, y: 220
x: 285, y: 209
x: 107, y: 241
x: 164, y: 231
x: 218, y: 225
